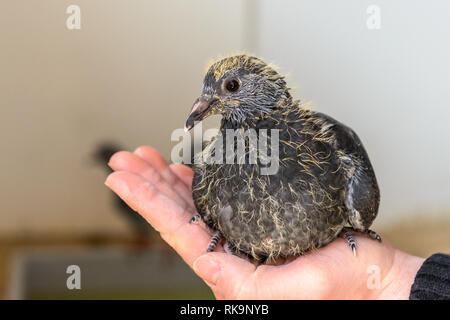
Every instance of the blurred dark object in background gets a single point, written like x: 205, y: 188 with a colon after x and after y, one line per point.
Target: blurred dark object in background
x: 140, y: 227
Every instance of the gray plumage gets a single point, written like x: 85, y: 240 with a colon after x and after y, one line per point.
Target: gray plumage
x: 324, y: 183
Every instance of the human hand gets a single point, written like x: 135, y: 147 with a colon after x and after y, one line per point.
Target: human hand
x: 162, y: 194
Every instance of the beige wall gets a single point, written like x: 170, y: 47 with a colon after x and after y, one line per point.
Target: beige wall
x: 132, y: 71
x: 129, y: 75
x: 390, y: 85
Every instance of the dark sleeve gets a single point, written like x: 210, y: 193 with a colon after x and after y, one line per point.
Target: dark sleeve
x: 432, y: 281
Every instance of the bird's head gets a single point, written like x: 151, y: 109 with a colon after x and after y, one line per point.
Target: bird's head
x: 240, y: 88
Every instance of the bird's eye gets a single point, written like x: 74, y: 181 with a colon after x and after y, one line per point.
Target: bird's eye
x: 232, y: 85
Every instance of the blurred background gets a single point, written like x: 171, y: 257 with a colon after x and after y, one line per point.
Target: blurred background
x: 128, y: 77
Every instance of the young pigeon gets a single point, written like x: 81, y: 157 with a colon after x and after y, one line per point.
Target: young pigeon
x: 324, y: 184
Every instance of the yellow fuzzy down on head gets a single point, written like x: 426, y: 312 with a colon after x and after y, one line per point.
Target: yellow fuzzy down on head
x: 232, y: 61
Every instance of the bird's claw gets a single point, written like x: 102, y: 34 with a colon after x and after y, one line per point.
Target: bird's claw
x: 351, y: 241
x: 353, y: 246
x: 373, y: 235
x: 213, y: 243
x: 195, y: 218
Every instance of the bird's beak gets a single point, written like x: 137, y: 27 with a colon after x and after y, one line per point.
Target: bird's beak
x: 200, y: 110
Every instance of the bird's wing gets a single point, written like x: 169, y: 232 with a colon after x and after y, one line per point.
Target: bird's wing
x: 362, y: 196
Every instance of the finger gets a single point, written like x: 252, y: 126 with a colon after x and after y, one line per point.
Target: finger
x: 127, y: 161
x: 230, y: 277
x: 310, y: 276
x: 164, y: 214
x: 184, y: 173
x: 156, y: 160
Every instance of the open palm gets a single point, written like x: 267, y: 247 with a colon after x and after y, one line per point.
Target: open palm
x: 162, y: 194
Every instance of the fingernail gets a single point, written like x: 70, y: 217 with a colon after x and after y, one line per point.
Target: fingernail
x: 119, y: 186
x: 108, y: 182
x: 207, y: 268
x: 113, y: 159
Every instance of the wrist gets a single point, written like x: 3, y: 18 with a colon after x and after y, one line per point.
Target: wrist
x: 396, y: 284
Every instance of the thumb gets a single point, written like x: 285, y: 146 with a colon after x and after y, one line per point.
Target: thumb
x: 227, y: 275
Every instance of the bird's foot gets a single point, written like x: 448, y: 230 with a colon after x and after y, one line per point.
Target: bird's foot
x: 213, y: 243
x: 351, y: 241
x: 195, y: 218
x: 373, y: 235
